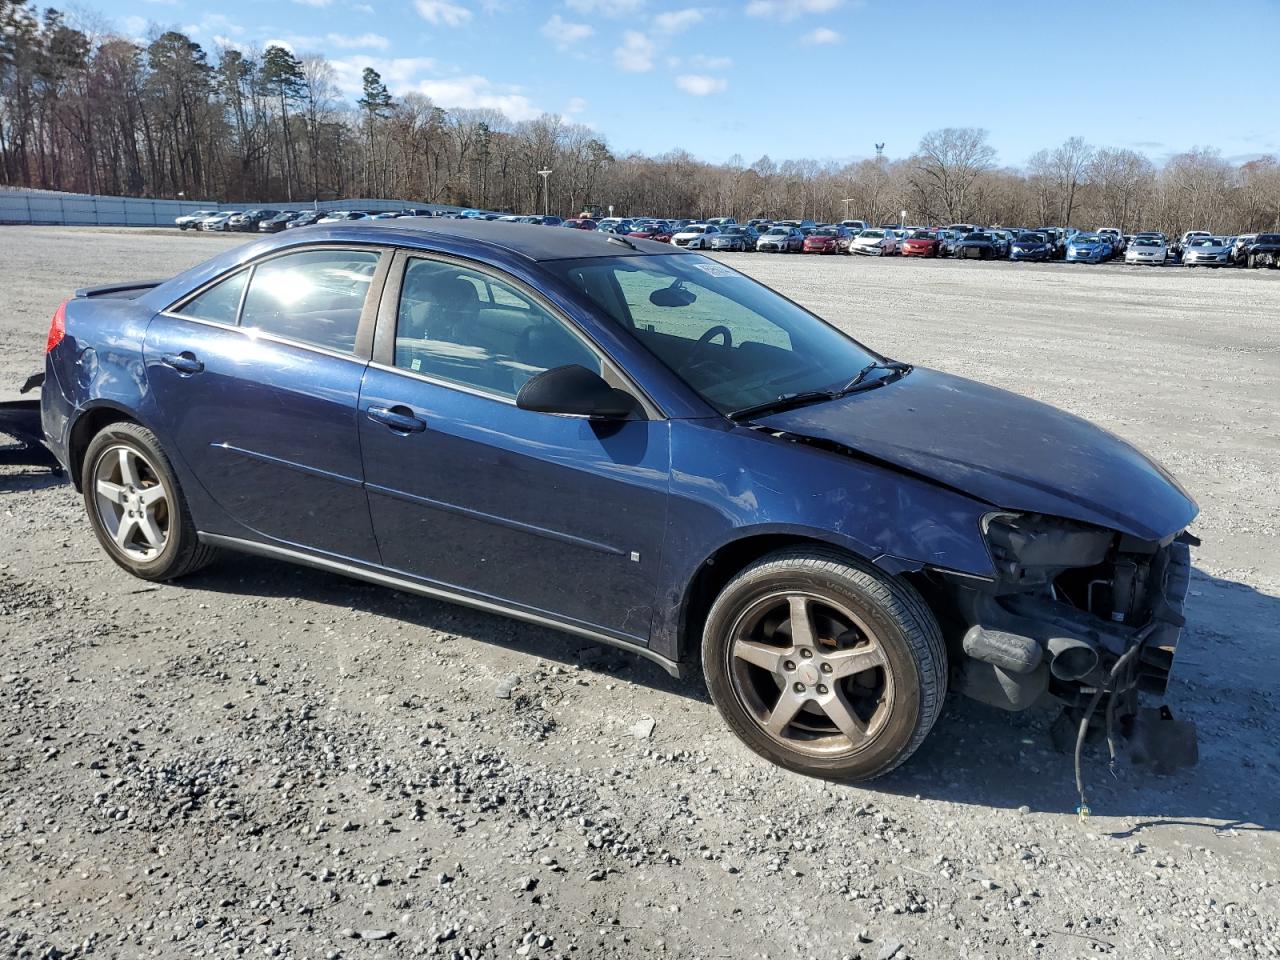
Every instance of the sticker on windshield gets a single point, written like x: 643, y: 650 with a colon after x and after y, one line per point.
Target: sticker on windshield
x: 715, y: 269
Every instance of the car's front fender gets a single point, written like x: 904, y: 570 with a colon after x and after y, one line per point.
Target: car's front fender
x: 731, y: 484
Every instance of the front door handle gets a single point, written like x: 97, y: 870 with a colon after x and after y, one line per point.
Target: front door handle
x: 398, y: 418
x: 184, y: 362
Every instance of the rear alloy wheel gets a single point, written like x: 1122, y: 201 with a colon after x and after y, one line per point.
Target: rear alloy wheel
x: 136, y: 507
x: 824, y: 665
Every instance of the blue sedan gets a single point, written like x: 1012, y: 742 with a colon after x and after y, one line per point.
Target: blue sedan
x: 633, y: 444
x: 1089, y: 248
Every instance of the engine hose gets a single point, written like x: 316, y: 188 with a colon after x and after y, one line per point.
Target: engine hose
x: 1108, y: 687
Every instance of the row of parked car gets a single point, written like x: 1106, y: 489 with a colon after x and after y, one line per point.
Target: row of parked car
x: 273, y: 221
x: 960, y: 240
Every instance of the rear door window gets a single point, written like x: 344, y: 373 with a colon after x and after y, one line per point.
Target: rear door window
x: 313, y: 297
x: 219, y: 303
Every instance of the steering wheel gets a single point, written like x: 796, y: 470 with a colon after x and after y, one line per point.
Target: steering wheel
x: 696, y: 359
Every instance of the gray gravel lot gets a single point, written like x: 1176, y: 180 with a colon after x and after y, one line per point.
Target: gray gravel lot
x: 270, y: 761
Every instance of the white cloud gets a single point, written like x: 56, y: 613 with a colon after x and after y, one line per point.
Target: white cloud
x: 411, y: 74
x: 134, y: 26
x: 636, y: 53
x: 342, y: 41
x: 701, y: 85
x: 443, y: 12
x: 789, y: 9
x: 575, y: 105
x: 820, y: 36
x: 215, y: 22
x: 475, y: 92
x: 278, y: 43
x: 314, y: 3
x: 608, y: 8
x: 400, y: 74
x: 564, y: 33
x: 677, y: 20
x: 704, y: 62
x: 229, y: 44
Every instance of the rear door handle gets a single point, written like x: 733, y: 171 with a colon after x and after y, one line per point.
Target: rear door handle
x: 398, y: 418
x: 184, y: 362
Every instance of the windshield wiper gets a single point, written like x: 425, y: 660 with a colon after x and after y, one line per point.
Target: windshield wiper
x: 789, y: 400
x: 784, y: 402
x: 860, y: 382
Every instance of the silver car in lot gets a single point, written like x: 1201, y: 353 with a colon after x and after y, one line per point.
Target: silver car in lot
x: 1150, y: 250
x: 734, y: 237
x: 781, y: 239
x: 1208, y: 252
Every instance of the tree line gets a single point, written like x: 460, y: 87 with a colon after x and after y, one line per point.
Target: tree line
x: 90, y: 111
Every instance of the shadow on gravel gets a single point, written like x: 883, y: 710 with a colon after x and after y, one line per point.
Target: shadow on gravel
x: 1225, y: 680
x: 261, y: 577
x: 26, y: 480
x: 978, y: 755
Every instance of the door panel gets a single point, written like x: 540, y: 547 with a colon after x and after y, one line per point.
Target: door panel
x: 269, y: 430
x: 561, y: 515
x: 268, y: 425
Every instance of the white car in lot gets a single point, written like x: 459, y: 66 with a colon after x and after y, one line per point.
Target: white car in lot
x: 189, y: 221
x: 216, y: 221
x: 875, y: 243
x: 1147, y: 250
x: 696, y: 236
x: 1208, y: 252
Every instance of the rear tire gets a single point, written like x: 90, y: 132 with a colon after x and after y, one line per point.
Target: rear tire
x: 823, y: 665
x: 136, y: 506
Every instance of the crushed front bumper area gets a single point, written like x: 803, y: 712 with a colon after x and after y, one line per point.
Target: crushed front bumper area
x: 1069, y: 603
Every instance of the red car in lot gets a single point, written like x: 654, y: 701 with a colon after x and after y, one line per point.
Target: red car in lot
x: 923, y: 243
x: 581, y: 223
x: 828, y: 240
x: 653, y: 230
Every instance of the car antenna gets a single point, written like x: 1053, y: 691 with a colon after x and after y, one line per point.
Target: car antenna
x: 614, y: 238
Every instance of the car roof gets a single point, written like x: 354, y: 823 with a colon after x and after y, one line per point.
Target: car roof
x: 528, y: 240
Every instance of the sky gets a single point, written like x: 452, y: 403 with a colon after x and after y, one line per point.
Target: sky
x: 823, y: 79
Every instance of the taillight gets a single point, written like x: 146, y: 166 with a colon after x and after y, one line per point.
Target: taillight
x: 57, y: 327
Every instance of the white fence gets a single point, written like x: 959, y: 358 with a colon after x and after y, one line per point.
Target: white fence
x: 85, y: 210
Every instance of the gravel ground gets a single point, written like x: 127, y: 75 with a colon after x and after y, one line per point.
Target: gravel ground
x: 271, y: 761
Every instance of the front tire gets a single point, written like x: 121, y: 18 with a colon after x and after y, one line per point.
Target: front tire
x: 136, y: 507
x: 824, y: 665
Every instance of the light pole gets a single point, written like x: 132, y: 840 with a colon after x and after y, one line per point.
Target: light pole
x: 546, y: 205
x: 848, y: 200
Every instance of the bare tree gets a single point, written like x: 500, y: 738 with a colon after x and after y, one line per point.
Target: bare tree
x: 947, y: 165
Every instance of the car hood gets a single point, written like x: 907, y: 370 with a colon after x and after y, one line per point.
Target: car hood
x: 1007, y: 450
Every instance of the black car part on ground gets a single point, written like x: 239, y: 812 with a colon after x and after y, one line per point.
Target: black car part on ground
x: 20, y: 419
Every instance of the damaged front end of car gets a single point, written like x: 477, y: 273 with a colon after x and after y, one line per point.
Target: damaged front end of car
x: 1077, y: 615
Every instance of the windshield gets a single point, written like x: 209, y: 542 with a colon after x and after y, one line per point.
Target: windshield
x: 1032, y: 238
x: 694, y: 229
x: 1206, y: 242
x: 734, y: 341
x: 1146, y: 242
x: 1268, y: 238
x: 871, y: 234
x: 826, y: 232
x: 1085, y: 238
x: 922, y: 235
x: 779, y: 231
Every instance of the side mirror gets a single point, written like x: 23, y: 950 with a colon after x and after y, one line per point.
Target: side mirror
x: 575, y: 391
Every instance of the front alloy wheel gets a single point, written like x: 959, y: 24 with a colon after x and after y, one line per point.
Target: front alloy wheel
x: 824, y: 665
